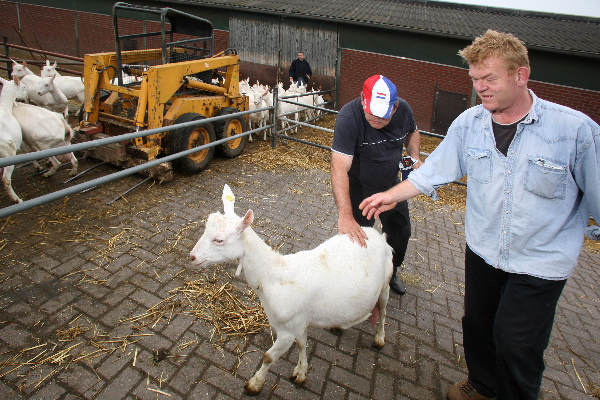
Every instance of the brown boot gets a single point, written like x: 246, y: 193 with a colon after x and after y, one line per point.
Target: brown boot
x: 464, y: 391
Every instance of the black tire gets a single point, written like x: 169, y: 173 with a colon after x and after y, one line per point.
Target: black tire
x: 188, y: 138
x: 228, y: 128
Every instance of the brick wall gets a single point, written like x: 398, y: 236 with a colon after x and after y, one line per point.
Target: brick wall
x: 221, y: 40
x: 416, y: 81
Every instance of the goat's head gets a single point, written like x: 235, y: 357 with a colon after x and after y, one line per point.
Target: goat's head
x: 19, y: 70
x: 222, y: 237
x: 46, y: 85
x: 49, y: 69
x: 9, y: 89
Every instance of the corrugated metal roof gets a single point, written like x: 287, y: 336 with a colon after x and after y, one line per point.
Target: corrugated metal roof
x: 553, y: 32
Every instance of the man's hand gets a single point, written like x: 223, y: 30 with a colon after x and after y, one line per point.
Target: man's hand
x: 347, y: 225
x: 374, y: 205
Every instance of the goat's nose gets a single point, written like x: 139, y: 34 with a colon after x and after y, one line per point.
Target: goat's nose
x: 192, y: 257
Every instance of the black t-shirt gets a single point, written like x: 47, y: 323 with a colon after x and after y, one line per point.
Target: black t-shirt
x: 376, y: 152
x: 504, y: 134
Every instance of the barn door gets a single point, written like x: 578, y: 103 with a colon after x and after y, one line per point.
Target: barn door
x: 266, y: 42
x: 447, y: 106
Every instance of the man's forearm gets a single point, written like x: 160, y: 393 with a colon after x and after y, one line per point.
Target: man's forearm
x: 413, y: 145
x: 403, y: 191
x: 341, y: 190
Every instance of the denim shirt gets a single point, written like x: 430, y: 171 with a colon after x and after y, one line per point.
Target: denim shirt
x: 525, y: 212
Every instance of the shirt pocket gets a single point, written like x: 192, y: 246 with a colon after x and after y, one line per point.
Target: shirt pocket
x: 479, y: 165
x: 546, y: 178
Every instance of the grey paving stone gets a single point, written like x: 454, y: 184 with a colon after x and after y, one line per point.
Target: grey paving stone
x: 422, y: 357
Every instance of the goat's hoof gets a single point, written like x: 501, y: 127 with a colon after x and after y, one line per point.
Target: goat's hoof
x: 251, y: 391
x: 253, y: 386
x: 73, y: 172
x: 298, y: 376
x: 378, y: 344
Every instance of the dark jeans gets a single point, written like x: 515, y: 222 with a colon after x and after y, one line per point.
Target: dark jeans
x: 506, y: 328
x: 395, y: 222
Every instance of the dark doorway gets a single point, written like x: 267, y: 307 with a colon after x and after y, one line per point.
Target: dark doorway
x: 446, y: 107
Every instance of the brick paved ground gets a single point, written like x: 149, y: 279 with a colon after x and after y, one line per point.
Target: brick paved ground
x: 81, y: 263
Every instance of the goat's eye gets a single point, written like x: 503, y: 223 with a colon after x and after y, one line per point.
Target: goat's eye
x: 218, y: 241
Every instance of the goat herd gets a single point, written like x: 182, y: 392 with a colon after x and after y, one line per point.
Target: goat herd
x: 34, y: 111
x: 31, y: 127
x: 261, y: 96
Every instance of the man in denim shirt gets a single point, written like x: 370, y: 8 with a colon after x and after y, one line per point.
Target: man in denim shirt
x: 534, y: 178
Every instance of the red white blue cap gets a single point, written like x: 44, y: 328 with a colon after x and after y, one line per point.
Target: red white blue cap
x: 380, y: 96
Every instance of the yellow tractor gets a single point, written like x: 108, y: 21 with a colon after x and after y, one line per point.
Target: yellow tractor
x: 165, y: 75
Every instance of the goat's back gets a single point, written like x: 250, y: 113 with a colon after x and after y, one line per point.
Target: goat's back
x: 339, y: 282
x: 41, y: 126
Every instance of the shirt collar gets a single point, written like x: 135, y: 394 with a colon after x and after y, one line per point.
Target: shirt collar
x: 532, y: 116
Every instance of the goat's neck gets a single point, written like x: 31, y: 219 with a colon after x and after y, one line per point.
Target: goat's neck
x: 258, y: 258
x: 57, y: 95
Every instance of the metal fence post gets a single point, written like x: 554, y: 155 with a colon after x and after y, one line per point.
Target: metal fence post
x: 275, y: 119
x: 6, y: 50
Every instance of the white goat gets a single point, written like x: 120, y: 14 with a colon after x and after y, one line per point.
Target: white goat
x: 44, y: 93
x: 285, y: 107
x: 44, y: 129
x: 71, y: 86
x: 20, y: 70
x: 337, y: 284
x: 10, y: 134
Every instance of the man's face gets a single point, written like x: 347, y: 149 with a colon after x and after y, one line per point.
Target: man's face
x: 375, y: 121
x: 497, y: 87
x: 300, y: 56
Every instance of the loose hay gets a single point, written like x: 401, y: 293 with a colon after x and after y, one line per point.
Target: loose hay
x: 214, y: 299
x: 65, y: 353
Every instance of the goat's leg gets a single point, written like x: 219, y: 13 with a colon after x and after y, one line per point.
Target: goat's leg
x: 250, y: 128
x: 74, y: 164
x: 301, y: 368
x: 382, y: 304
x: 53, y: 168
x: 7, y: 182
x: 281, y: 345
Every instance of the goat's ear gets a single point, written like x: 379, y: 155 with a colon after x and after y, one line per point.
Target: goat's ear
x: 54, y: 65
x: 3, y: 80
x: 228, y: 200
x: 47, y: 62
x: 24, y: 63
x: 247, y: 220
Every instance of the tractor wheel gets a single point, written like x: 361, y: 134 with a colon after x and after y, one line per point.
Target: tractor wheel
x: 228, y: 128
x: 188, y: 138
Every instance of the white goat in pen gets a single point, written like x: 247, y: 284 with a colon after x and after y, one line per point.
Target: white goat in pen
x: 20, y: 70
x: 44, y: 129
x: 42, y: 92
x: 337, y: 284
x: 10, y: 134
x: 285, y: 108
x: 71, y: 86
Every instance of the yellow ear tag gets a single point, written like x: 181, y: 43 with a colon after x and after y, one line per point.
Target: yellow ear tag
x: 229, y: 198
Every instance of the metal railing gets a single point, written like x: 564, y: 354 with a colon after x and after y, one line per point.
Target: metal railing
x: 276, y: 134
